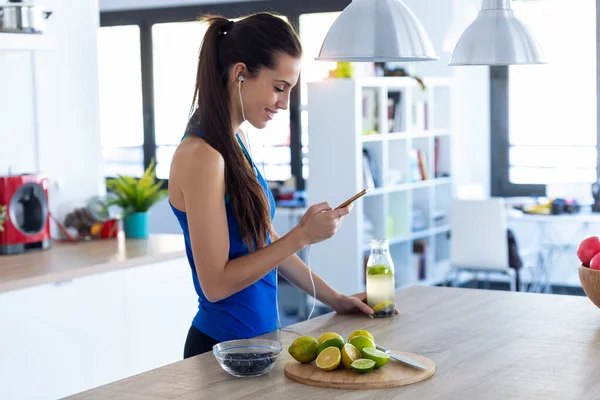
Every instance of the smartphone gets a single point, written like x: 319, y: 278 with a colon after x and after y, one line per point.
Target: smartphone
x: 351, y: 199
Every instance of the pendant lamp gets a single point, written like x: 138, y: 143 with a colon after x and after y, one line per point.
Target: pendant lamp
x: 497, y: 37
x: 377, y: 31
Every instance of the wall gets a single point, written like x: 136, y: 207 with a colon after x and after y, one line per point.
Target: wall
x: 50, y: 117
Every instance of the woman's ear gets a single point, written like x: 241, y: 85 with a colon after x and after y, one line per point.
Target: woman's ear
x: 238, y: 69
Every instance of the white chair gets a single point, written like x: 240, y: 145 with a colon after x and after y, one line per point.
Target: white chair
x: 479, y: 239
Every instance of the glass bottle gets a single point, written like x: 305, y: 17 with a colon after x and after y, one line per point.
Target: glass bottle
x: 380, y: 279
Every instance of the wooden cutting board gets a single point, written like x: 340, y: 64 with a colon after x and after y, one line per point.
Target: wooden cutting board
x: 392, y: 374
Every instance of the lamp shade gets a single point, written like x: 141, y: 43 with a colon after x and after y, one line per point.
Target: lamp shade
x: 377, y: 31
x: 497, y: 37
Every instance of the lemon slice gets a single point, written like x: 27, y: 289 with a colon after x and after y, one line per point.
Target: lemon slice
x: 329, y: 359
x: 385, y: 304
x: 363, y: 365
x: 378, y: 356
x: 350, y: 354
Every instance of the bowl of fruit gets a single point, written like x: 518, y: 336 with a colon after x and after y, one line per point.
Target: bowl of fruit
x: 588, y: 253
x: 247, y: 357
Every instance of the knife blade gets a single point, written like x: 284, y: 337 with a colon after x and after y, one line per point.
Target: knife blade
x: 403, y: 359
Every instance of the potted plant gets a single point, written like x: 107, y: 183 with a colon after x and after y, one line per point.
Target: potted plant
x: 2, y: 217
x: 135, y: 197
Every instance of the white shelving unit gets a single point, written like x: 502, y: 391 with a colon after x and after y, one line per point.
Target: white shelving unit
x: 26, y: 42
x: 392, y: 118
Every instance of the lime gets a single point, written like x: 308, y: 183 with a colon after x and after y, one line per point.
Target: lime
x: 360, y: 332
x: 379, y: 270
x: 329, y: 359
x: 363, y: 365
x: 360, y: 342
x: 333, y: 342
x: 329, y: 335
x: 378, y: 356
x: 350, y: 354
x: 304, y: 349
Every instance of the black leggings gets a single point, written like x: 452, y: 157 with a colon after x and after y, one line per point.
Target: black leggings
x: 197, y: 342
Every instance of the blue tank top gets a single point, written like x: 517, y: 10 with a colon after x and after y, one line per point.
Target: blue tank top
x: 249, y: 312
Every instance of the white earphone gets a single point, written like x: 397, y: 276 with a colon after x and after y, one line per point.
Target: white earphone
x: 240, y: 80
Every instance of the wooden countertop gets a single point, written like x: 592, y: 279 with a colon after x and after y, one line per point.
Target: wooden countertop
x: 486, y: 345
x: 65, y: 260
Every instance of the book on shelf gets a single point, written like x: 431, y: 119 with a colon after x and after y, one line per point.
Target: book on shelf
x: 436, y: 158
x: 418, y: 165
x: 369, y: 111
x: 420, y: 257
x: 422, y: 164
x: 395, y: 112
x: 370, y: 176
x: 414, y: 173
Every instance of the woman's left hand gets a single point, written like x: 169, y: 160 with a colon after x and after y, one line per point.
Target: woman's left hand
x: 352, y: 304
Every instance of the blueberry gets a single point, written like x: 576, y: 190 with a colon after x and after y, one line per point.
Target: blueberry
x: 249, y: 363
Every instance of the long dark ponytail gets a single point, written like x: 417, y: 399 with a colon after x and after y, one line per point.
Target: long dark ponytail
x: 255, y: 41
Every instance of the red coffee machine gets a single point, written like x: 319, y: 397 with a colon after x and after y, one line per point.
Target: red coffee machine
x: 27, y: 224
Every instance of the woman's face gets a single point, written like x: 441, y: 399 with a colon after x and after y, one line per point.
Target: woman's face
x: 268, y: 91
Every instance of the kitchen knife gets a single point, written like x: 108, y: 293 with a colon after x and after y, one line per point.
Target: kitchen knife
x: 403, y: 359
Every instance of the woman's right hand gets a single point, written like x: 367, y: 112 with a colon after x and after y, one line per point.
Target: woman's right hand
x: 320, y: 222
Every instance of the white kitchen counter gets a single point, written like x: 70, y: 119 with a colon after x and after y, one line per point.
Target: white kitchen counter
x: 66, y: 260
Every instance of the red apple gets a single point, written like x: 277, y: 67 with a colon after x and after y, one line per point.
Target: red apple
x: 587, y: 249
x: 595, y: 263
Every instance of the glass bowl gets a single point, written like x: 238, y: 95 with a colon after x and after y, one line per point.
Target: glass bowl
x: 247, y: 357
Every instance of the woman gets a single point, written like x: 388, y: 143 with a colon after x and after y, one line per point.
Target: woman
x: 246, y: 71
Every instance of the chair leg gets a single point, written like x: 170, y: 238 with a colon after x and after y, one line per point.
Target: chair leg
x: 448, y: 279
x: 513, y: 282
x: 487, y: 280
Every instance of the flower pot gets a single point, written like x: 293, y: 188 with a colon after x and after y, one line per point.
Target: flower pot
x: 136, y: 225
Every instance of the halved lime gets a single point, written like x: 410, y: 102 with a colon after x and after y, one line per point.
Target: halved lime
x: 378, y: 356
x: 363, y: 365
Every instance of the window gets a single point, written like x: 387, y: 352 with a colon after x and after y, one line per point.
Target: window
x: 146, y: 99
x: 120, y: 85
x: 313, y: 29
x: 175, y: 59
x: 552, y: 108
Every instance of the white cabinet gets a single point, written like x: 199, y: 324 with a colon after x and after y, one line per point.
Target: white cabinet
x: 64, y: 338
x: 61, y: 338
x: 159, y: 305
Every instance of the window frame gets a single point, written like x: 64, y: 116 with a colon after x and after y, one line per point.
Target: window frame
x: 499, y: 130
x: 146, y: 18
